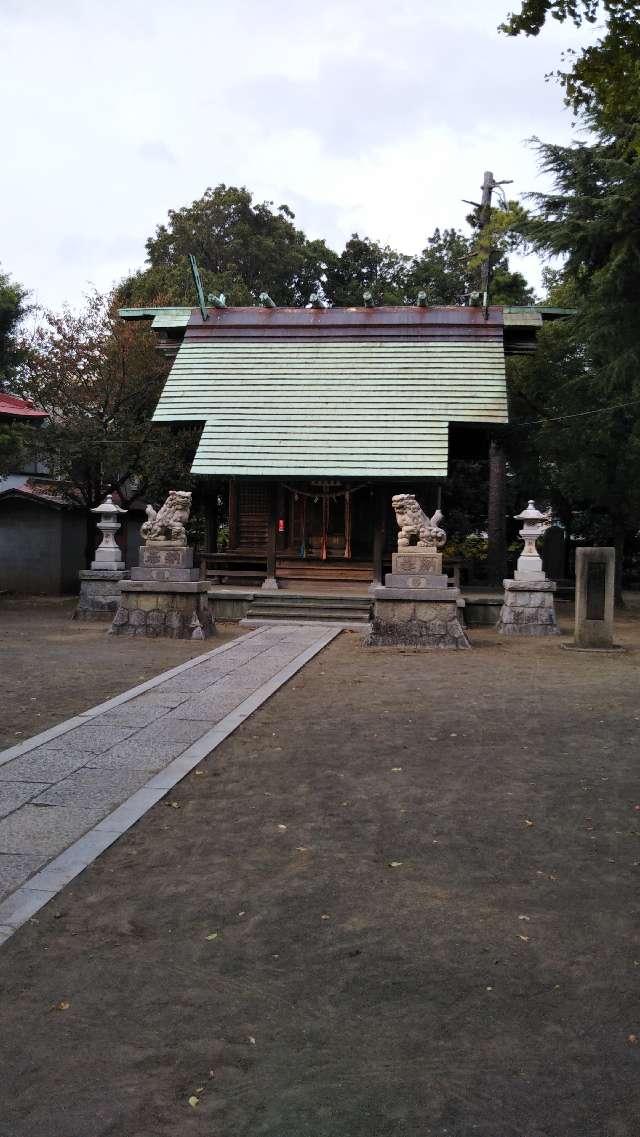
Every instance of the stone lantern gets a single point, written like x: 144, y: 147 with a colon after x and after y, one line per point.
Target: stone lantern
x: 100, y: 585
x: 108, y: 556
x: 528, y: 608
x: 534, y: 524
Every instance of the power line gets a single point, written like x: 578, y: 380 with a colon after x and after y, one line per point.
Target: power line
x: 578, y: 414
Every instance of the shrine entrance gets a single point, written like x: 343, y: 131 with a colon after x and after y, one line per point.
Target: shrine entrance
x: 327, y: 521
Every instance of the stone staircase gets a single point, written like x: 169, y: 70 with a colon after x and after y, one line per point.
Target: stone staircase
x: 347, y: 610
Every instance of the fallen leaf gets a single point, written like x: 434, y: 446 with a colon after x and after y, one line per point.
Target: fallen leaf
x: 252, y: 1040
x: 282, y: 827
x: 241, y: 913
x: 302, y: 849
x: 174, y: 804
x: 193, y: 1101
x: 200, y: 773
x: 325, y: 917
x: 632, y: 1039
x: 61, y: 1006
x: 524, y: 917
x: 199, y: 1089
x: 212, y: 936
x: 528, y: 822
x: 396, y: 769
x: 395, y: 864
x: 525, y: 939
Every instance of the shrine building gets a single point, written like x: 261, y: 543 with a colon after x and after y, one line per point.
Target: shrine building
x: 312, y: 418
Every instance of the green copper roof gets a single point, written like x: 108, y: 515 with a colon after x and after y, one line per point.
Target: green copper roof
x: 160, y: 317
x: 306, y: 408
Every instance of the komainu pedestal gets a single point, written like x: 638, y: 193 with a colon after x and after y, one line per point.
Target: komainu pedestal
x: 164, y: 596
x: 416, y: 606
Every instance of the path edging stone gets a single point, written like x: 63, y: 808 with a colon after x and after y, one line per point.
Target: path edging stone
x: 22, y: 904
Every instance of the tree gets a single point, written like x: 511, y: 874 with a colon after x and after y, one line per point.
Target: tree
x: 448, y: 268
x: 605, y: 76
x: 99, y: 380
x: 365, y: 265
x: 242, y: 249
x: 13, y: 309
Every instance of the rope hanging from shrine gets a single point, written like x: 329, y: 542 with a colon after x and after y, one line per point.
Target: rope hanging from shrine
x: 321, y: 495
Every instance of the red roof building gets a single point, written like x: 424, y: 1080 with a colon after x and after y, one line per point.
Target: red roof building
x: 13, y: 407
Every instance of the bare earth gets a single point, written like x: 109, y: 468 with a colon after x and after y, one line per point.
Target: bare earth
x: 53, y: 667
x: 400, y: 901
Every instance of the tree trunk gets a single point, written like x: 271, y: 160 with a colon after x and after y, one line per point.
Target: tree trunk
x: 496, y: 526
x: 618, y: 540
x: 89, y: 537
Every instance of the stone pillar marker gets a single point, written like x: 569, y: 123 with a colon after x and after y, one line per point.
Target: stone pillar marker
x: 165, y: 596
x: 100, y: 584
x: 416, y: 606
x: 528, y: 608
x: 595, y: 580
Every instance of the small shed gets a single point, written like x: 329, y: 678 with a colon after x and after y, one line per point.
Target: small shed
x: 41, y: 541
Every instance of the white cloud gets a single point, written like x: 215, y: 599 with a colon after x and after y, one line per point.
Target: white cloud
x: 362, y: 116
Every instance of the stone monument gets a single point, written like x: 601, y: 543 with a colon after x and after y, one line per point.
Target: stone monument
x: 164, y: 596
x: 528, y: 608
x: 416, y: 606
x: 595, y: 587
x: 100, y: 584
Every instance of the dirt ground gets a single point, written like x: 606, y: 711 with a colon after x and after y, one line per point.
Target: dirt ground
x: 53, y: 667
x: 400, y: 901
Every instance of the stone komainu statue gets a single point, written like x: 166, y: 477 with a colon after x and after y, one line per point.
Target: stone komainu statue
x: 414, y: 525
x: 168, y: 524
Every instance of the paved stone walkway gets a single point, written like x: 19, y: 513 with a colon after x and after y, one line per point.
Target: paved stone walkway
x: 70, y: 792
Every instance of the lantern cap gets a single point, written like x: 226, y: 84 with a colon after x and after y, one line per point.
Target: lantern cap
x: 108, y: 506
x: 531, y: 514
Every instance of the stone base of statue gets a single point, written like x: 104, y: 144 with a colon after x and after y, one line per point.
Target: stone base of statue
x: 99, y: 593
x: 416, y: 607
x: 528, y: 608
x: 164, y: 596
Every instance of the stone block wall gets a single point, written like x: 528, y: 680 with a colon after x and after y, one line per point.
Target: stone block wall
x: 528, y: 609
x: 177, y: 615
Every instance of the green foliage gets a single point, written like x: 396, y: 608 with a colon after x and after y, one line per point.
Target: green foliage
x: 99, y: 379
x: 12, y: 447
x: 243, y: 249
x: 13, y: 309
x: 604, y: 78
x: 365, y: 265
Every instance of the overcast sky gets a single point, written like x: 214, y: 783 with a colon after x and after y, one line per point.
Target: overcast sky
x: 375, y: 117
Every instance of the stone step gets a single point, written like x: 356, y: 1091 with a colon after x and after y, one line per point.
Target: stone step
x: 318, y: 615
x: 319, y: 609
x: 280, y: 599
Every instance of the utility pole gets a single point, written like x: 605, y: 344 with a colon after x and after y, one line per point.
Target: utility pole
x: 483, y: 206
x: 496, y: 521
x: 484, y: 216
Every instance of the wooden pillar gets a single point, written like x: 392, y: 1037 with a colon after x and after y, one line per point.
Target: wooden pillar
x: 271, y: 583
x: 379, y: 513
x: 233, y: 513
x: 212, y: 518
x: 496, y: 526
x: 347, y: 525
x: 281, y: 538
